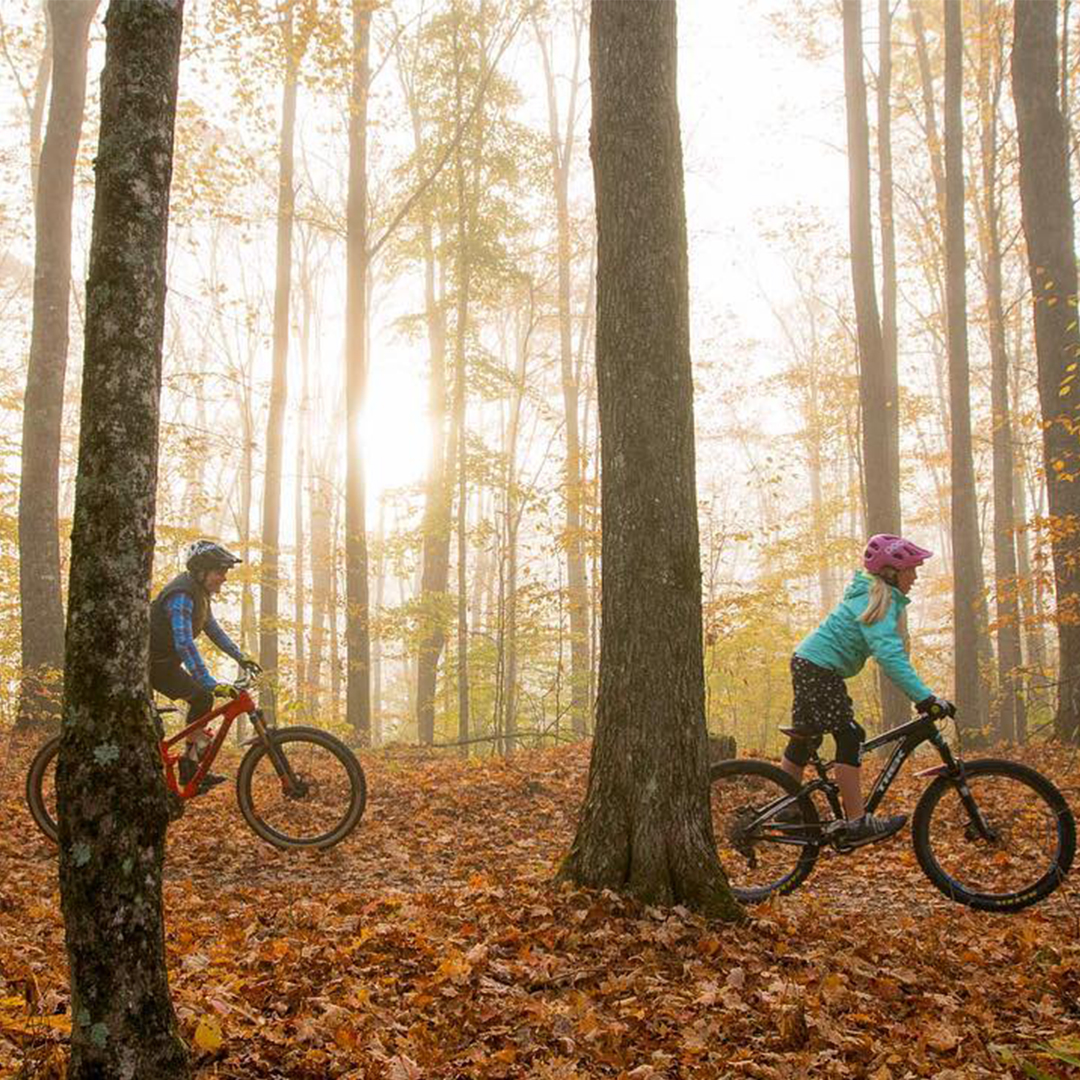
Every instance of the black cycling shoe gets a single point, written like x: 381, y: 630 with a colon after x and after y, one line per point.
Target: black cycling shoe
x: 189, y: 768
x: 866, y: 830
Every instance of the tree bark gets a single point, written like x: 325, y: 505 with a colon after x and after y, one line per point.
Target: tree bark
x: 357, y: 631
x: 269, y: 574
x: 40, y: 585
x: 970, y: 688
x: 646, y: 826
x: 112, y: 801
x: 1011, y: 714
x: 1047, y: 212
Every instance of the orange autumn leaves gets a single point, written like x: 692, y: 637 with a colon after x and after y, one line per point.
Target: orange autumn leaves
x: 432, y: 945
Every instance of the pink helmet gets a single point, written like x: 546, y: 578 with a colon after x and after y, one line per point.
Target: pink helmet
x: 885, y: 550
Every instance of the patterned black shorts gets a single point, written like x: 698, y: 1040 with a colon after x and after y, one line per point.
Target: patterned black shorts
x: 821, y: 702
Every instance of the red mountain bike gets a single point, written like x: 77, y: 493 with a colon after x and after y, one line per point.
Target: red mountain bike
x: 298, y: 787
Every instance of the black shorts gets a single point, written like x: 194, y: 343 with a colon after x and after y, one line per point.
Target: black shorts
x: 168, y: 677
x: 822, y: 706
x: 820, y: 703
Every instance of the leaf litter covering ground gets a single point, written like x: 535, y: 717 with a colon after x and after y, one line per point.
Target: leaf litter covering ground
x: 432, y: 944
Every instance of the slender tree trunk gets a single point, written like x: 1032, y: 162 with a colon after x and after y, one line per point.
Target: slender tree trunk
x: 464, y: 272
x: 435, y: 528
x: 895, y: 708
x: 299, y: 585
x: 1011, y: 719
x: 872, y: 379
x: 111, y: 798
x: 320, y: 500
x: 335, y: 604
x: 512, y: 520
x: 377, y: 645
x: 37, y: 104
x: 646, y: 826
x: 967, y: 593
x: 40, y: 587
x: 561, y: 149
x: 1049, y: 231
x: 357, y: 630
x: 269, y: 577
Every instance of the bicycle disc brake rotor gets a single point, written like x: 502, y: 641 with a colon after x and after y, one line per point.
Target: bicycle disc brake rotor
x: 742, y: 840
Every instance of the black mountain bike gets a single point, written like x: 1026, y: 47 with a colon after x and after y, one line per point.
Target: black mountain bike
x: 993, y: 834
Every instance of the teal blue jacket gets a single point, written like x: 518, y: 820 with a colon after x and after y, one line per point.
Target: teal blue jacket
x: 843, y: 644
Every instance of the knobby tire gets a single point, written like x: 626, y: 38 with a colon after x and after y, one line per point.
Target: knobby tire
x: 1037, y: 838
x: 736, y: 788
x: 290, y: 742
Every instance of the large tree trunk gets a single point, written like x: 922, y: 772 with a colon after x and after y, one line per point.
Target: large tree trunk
x: 561, y: 149
x: 646, y: 826
x: 1011, y: 715
x: 112, y: 801
x: 1048, y: 229
x: 269, y: 576
x: 970, y: 689
x: 357, y: 633
x: 40, y: 587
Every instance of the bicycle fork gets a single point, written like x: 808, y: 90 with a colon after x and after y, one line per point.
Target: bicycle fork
x: 291, y: 785
x: 953, y: 771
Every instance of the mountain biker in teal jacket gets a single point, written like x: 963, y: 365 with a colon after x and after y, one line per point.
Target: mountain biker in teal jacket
x: 864, y: 624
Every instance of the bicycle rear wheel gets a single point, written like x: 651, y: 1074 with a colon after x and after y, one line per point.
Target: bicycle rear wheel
x: 308, y: 791
x: 1029, y: 843
x: 765, y: 847
x: 41, y: 788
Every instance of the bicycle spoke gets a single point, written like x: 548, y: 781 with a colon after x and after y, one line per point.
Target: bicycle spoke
x: 315, y: 805
x: 1008, y: 846
x: 760, y: 855
x: 1023, y: 838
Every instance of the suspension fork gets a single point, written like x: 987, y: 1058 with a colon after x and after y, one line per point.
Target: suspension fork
x: 289, y: 782
x: 953, y: 769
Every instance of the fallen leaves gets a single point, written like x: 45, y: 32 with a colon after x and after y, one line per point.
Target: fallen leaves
x: 433, y: 945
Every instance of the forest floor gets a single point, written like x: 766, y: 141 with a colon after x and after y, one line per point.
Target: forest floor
x: 432, y: 944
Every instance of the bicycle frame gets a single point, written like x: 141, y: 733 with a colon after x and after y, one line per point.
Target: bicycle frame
x: 909, y: 737
x: 227, y: 713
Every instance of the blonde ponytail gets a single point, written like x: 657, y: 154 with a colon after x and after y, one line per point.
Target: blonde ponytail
x: 880, y: 600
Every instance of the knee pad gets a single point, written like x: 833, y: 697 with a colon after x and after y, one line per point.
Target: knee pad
x: 848, y: 740
x: 798, y: 751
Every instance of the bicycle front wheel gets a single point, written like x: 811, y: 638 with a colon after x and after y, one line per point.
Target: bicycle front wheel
x: 41, y: 788
x: 767, y: 843
x: 305, y: 789
x: 1017, y: 854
